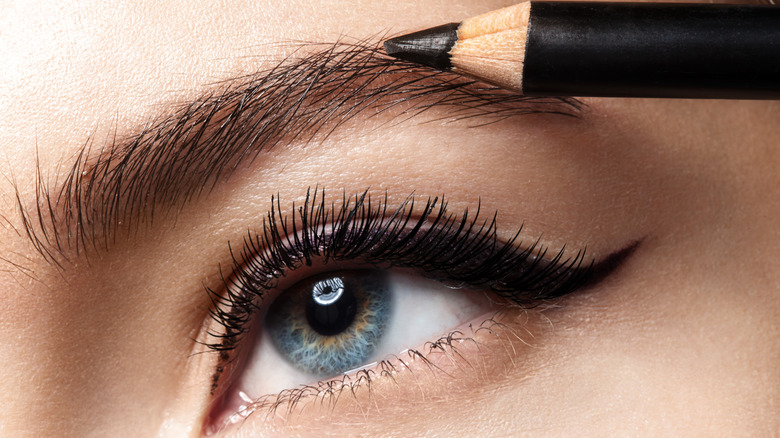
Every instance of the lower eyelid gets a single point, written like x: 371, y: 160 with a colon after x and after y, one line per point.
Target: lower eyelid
x: 474, y: 351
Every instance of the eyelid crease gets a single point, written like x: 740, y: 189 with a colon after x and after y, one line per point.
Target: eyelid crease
x: 175, y: 158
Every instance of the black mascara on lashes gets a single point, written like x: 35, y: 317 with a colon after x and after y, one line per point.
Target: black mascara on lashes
x: 461, y: 250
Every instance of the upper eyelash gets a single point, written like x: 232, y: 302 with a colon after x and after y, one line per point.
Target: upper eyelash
x: 462, y: 250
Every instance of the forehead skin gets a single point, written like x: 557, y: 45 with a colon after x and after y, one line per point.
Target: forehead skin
x: 682, y: 341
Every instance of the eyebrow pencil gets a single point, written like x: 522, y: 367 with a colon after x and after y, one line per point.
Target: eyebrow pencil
x: 610, y: 49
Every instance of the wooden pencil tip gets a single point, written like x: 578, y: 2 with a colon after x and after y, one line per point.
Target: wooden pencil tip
x: 429, y: 47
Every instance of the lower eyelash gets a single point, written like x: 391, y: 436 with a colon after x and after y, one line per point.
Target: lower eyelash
x: 328, y: 392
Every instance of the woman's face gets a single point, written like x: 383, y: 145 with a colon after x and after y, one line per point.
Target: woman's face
x: 137, y: 302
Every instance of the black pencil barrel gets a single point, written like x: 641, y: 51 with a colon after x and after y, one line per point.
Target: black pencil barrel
x: 653, y: 50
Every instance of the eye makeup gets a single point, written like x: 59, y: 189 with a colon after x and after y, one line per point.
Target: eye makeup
x: 461, y: 251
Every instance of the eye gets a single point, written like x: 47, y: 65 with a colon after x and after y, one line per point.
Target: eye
x: 283, y: 337
x: 331, y: 324
x: 335, y: 323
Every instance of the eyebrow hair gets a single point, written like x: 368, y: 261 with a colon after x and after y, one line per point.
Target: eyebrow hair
x: 177, y: 157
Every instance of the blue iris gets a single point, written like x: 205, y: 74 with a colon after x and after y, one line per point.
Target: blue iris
x: 331, y: 324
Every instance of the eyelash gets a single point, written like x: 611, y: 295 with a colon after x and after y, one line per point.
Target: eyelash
x: 458, y: 250
x: 331, y: 389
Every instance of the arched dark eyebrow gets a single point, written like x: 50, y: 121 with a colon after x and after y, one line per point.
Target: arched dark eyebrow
x: 179, y: 156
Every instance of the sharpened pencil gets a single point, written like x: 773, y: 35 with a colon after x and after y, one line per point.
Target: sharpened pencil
x: 668, y: 50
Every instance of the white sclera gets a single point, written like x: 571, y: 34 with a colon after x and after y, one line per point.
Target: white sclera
x: 423, y: 310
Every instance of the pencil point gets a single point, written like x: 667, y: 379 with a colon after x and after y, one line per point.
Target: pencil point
x: 429, y: 47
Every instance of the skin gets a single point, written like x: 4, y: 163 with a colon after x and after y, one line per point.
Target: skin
x: 681, y: 340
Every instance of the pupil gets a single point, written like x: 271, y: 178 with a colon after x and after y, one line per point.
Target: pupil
x: 331, y: 307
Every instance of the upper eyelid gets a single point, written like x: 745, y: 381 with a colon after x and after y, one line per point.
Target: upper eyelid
x: 179, y: 156
x: 429, y: 238
x: 458, y: 247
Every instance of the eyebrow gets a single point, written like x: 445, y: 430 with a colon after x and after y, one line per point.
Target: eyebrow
x: 177, y: 157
